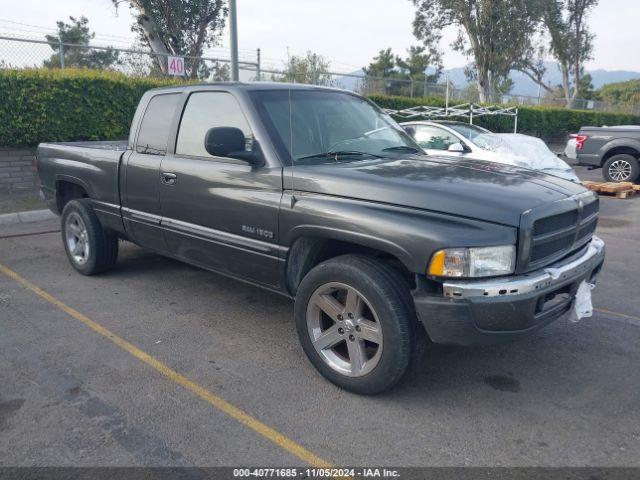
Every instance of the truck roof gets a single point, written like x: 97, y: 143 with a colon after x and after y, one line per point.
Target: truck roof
x: 249, y: 86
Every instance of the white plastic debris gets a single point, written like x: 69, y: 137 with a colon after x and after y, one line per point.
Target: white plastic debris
x: 582, y: 308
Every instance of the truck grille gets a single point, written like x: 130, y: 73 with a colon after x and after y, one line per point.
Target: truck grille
x: 555, y: 223
x: 552, y: 237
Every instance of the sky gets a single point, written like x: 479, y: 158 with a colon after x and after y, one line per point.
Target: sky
x: 348, y: 32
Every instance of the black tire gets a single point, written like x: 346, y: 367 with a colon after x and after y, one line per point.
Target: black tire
x: 403, y: 339
x: 623, y: 164
x: 102, y: 243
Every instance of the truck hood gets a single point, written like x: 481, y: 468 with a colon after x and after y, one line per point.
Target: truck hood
x: 469, y: 188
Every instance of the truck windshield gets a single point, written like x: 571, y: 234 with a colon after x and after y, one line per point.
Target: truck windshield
x: 316, y: 126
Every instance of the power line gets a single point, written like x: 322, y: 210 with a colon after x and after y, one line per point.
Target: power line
x: 120, y: 40
x: 54, y: 29
x: 97, y: 35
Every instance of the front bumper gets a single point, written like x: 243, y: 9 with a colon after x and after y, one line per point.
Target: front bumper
x: 490, y: 311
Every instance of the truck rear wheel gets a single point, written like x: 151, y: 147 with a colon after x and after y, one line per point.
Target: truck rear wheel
x: 90, y: 248
x: 621, y: 168
x: 356, y: 323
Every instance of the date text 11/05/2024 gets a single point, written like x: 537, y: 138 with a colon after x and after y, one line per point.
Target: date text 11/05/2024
x: 316, y: 472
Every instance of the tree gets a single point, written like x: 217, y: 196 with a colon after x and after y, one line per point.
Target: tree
x: 585, y: 89
x: 178, y: 27
x: 77, y: 33
x: 419, y: 60
x: 309, y: 68
x: 621, y: 94
x: 554, y: 96
x: 495, y: 33
x: 380, y: 73
x: 570, y: 44
x: 216, y: 72
x: 388, y: 67
x: 383, y: 65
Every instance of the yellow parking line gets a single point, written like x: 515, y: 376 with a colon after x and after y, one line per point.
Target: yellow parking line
x: 234, y: 412
x: 623, y: 315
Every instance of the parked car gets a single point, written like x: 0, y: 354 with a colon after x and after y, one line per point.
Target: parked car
x: 615, y: 149
x: 318, y: 195
x: 457, y: 139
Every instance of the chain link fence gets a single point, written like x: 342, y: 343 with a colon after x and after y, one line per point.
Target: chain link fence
x: 28, y: 52
x: 33, y: 53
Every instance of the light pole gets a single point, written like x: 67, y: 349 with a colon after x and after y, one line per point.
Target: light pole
x: 233, y: 32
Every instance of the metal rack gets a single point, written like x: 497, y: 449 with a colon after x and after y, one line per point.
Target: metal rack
x: 464, y: 110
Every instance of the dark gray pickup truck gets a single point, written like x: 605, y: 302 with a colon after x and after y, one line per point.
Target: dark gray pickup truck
x: 615, y: 149
x: 316, y: 194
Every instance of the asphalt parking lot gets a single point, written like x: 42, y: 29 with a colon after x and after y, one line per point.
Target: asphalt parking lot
x: 74, y: 395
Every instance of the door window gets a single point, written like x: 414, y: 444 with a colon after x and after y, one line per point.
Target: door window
x: 207, y: 110
x: 434, y: 138
x: 156, y: 124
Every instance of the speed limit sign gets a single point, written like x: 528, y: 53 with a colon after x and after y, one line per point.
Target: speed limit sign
x: 175, y: 66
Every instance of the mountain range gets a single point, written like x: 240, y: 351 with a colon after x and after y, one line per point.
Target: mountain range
x: 523, y: 85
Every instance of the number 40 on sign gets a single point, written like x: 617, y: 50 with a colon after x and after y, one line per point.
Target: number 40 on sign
x: 176, y: 66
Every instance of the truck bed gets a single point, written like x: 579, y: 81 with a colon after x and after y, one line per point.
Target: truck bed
x: 117, y: 145
x: 93, y: 165
x: 624, y: 128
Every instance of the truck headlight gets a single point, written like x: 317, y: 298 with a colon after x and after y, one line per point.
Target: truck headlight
x: 473, y: 262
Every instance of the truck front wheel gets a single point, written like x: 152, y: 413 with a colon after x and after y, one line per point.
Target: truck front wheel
x: 90, y: 248
x: 621, y: 168
x: 356, y: 323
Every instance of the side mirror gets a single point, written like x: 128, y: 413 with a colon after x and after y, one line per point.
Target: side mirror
x: 229, y: 142
x: 411, y: 131
x: 457, y: 148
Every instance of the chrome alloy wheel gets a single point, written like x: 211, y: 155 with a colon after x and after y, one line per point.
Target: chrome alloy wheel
x: 620, y: 170
x: 77, y: 238
x: 344, y: 329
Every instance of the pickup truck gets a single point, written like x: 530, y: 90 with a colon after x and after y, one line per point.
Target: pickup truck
x: 615, y: 149
x: 317, y: 194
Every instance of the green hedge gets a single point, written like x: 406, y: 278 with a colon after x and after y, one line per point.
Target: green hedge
x: 544, y: 122
x: 39, y: 105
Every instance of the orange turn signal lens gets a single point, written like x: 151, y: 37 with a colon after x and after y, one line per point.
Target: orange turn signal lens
x: 436, y: 267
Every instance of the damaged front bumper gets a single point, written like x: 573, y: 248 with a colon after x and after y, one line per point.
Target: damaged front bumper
x: 476, y: 312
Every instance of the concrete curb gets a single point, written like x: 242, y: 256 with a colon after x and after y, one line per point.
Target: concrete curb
x: 26, y: 217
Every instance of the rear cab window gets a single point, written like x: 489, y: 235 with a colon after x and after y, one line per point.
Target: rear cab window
x: 155, y: 127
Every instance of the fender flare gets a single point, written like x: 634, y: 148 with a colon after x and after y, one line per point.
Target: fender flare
x: 307, y: 242
x: 71, y: 179
x: 617, y: 143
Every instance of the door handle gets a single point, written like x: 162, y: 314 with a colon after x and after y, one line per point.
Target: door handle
x: 168, y: 178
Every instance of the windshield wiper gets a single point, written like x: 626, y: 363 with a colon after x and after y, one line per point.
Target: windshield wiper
x: 339, y: 153
x: 402, y: 148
